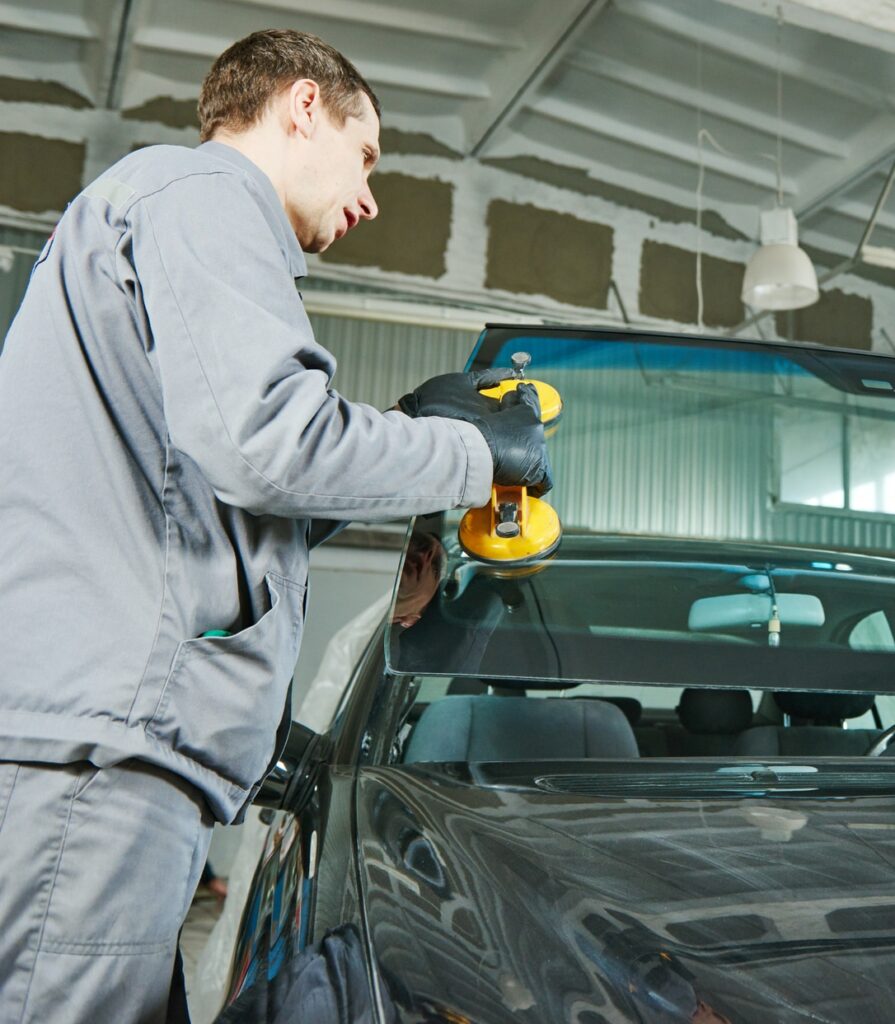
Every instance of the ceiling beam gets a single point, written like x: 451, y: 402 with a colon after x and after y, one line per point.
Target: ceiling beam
x: 591, y: 120
x: 865, y: 22
x: 872, y: 149
x: 68, y: 26
x: 690, y: 97
x: 740, y: 48
x: 423, y: 21
x: 741, y: 217
x: 438, y: 83
x: 521, y: 74
x: 187, y: 44
x: 862, y: 212
x: 837, y: 247
x: 206, y: 47
x: 446, y: 128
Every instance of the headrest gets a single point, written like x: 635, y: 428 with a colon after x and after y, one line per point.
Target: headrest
x: 824, y: 708
x: 715, y: 711
x: 632, y: 709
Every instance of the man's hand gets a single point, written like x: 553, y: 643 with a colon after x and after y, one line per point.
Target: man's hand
x: 516, y: 439
x: 512, y: 427
x: 455, y: 395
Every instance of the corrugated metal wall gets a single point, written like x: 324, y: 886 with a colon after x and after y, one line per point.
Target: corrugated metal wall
x: 379, y: 362
x: 658, y: 459
x: 849, y: 531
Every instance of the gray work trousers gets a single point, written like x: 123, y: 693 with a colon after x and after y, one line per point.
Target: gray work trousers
x: 97, y: 871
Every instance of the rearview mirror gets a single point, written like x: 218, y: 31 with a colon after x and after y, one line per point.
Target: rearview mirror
x: 740, y: 611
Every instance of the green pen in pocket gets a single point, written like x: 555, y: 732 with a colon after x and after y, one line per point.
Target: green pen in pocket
x: 215, y: 632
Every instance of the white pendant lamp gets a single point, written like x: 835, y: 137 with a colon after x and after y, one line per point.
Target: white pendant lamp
x: 779, y: 275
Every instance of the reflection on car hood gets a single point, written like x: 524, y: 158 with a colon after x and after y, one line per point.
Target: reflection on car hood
x: 493, y: 905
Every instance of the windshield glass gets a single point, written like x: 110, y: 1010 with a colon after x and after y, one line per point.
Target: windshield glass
x: 727, y: 512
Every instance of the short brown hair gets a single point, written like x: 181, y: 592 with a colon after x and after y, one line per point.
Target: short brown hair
x: 248, y: 74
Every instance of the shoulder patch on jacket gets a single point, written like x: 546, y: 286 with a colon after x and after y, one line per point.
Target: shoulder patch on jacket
x: 115, y: 192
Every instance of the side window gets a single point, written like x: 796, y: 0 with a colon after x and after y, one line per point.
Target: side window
x: 821, y: 450
x: 885, y: 705
x: 811, y: 457
x: 872, y: 633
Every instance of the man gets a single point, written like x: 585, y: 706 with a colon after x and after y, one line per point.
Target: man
x: 167, y: 433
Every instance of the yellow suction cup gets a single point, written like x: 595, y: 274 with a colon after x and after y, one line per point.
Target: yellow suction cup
x: 514, y: 528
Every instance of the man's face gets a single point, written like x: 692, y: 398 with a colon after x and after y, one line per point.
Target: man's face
x: 331, y: 194
x: 419, y: 581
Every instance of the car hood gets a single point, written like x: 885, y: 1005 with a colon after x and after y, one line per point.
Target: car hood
x: 494, y: 904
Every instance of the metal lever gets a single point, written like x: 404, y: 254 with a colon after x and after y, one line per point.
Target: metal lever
x: 507, y: 520
x: 520, y: 360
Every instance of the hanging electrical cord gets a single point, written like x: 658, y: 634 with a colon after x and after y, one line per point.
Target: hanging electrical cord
x: 704, y: 135
x: 700, y: 326
x: 779, y: 106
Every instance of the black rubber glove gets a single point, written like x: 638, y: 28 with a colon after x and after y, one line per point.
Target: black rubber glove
x: 516, y: 439
x: 455, y: 395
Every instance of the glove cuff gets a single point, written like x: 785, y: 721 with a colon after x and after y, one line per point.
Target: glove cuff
x: 486, y: 432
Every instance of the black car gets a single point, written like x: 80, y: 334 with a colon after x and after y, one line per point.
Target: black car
x: 645, y: 779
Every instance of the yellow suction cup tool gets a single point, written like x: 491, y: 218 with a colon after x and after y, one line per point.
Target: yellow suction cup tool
x: 515, y: 528
x: 512, y: 528
x: 548, y: 396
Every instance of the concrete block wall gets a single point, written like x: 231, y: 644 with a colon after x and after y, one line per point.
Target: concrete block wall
x: 542, y: 238
x: 517, y: 233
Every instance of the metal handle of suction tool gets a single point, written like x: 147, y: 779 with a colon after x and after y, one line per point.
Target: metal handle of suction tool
x: 507, y: 520
x: 520, y: 360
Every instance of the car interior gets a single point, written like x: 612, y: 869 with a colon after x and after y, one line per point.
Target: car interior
x: 467, y: 720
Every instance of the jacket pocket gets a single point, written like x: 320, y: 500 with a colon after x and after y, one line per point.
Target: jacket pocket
x: 224, y: 696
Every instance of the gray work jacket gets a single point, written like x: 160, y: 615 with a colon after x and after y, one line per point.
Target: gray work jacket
x: 167, y: 431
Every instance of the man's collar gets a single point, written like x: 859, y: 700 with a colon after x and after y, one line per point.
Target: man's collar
x: 297, y: 264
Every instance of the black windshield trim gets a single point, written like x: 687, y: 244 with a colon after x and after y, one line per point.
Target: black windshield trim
x: 496, y: 335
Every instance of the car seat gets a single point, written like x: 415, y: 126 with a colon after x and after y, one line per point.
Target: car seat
x: 708, y: 720
x: 817, y: 727
x: 491, y: 728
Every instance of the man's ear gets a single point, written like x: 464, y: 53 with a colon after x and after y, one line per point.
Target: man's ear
x: 303, y: 106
